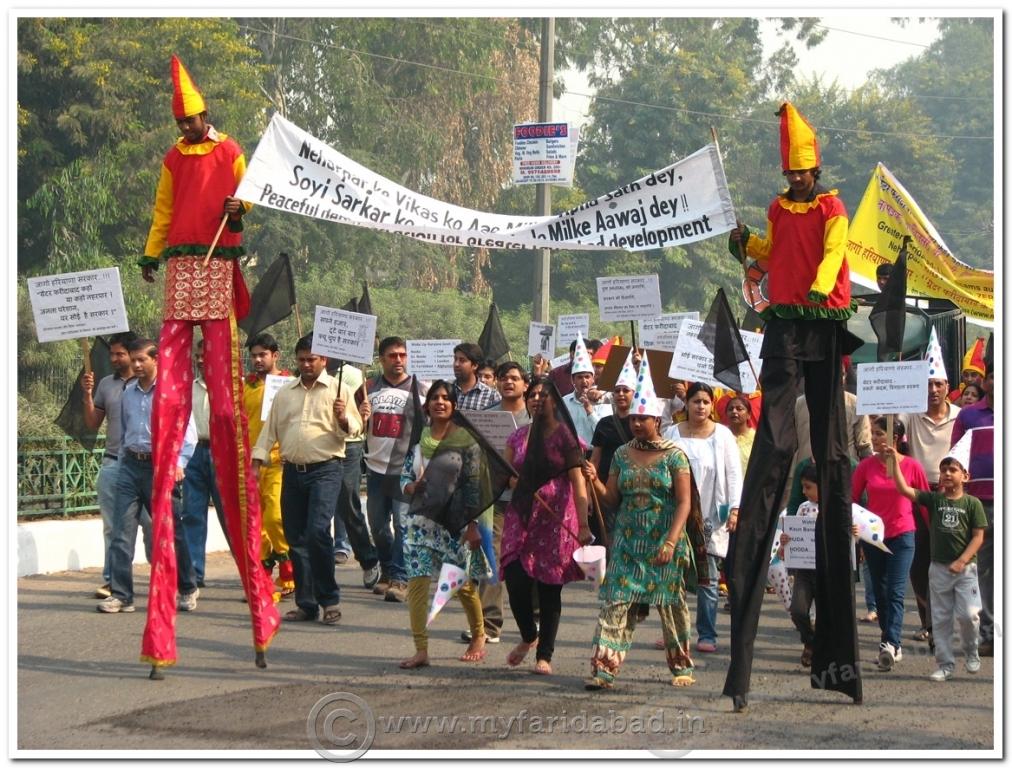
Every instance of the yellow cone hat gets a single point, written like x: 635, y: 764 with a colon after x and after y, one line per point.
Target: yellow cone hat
x: 799, y: 149
x: 186, y: 98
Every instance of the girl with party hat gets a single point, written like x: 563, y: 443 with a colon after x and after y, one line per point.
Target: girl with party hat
x: 650, y: 484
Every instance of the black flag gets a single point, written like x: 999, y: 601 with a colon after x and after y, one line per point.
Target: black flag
x: 462, y: 479
x: 71, y: 418
x: 272, y: 299
x: 365, y: 303
x: 492, y: 339
x: 889, y: 315
x: 721, y: 336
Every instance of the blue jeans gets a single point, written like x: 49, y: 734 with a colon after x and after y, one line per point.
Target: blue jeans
x: 105, y: 486
x: 350, y: 521
x: 308, y: 501
x: 133, y: 490
x: 199, y: 488
x: 889, y: 574
x: 706, y: 604
x: 387, y: 515
x: 869, y: 589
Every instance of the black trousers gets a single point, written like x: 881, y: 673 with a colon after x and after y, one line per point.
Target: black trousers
x: 521, y: 589
x: 814, y: 348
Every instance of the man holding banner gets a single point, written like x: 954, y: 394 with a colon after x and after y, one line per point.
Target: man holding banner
x: 809, y: 290
x: 195, y: 196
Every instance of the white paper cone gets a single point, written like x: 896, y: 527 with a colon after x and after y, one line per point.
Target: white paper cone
x: 591, y: 560
x: 870, y: 527
x: 451, y: 578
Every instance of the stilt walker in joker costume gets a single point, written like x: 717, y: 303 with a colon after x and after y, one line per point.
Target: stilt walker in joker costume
x: 194, y: 200
x: 806, y: 332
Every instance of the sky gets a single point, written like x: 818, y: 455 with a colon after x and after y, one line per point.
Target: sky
x: 855, y: 44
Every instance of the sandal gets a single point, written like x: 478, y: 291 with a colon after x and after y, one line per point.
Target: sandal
x: 542, y: 667
x: 597, y: 684
x: 299, y: 614
x: 922, y: 635
x: 516, y: 657
x: 331, y: 615
x: 869, y: 618
x: 682, y: 678
x: 473, y: 654
x: 414, y: 663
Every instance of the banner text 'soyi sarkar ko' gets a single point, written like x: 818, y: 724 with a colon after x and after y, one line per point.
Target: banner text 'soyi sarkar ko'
x: 682, y: 203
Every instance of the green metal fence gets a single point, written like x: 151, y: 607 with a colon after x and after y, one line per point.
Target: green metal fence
x: 56, y: 477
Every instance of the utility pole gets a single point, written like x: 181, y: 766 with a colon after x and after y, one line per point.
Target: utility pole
x: 543, y: 258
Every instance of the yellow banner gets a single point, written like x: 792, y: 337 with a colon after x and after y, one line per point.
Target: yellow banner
x: 887, y: 212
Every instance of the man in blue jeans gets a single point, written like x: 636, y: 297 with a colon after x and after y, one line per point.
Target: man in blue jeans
x: 102, y: 404
x: 199, y: 486
x: 395, y: 408
x: 310, y: 419
x: 133, y: 486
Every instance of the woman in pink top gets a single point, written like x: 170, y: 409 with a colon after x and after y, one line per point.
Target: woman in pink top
x: 889, y: 572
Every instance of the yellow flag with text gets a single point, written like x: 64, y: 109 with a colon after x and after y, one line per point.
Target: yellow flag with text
x: 887, y: 212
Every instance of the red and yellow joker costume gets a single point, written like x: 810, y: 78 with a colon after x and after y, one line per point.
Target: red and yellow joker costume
x: 195, y: 180
x: 809, y: 292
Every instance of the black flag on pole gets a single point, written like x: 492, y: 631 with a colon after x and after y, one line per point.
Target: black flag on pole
x: 71, y: 418
x: 889, y: 315
x: 721, y: 336
x: 492, y: 339
x: 272, y: 299
x: 365, y: 302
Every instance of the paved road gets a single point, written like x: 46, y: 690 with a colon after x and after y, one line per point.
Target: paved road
x: 80, y: 685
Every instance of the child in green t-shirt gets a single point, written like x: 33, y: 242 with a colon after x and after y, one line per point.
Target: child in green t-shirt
x: 956, y: 523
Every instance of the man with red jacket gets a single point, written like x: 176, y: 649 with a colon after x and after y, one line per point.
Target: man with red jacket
x: 809, y: 292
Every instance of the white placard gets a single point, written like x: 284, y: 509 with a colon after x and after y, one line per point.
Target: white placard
x: 661, y: 332
x: 544, y: 153
x: 561, y: 361
x: 272, y: 383
x: 541, y: 339
x: 344, y: 335
x: 800, y: 550
x: 569, y: 326
x: 892, y: 387
x: 628, y: 298
x: 75, y: 305
x: 431, y: 359
x: 692, y: 361
x: 495, y: 426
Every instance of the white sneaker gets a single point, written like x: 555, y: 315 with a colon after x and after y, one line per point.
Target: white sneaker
x: 898, y: 654
x: 973, y: 666
x: 188, y: 602
x: 886, y: 657
x: 940, y: 675
x: 114, y: 605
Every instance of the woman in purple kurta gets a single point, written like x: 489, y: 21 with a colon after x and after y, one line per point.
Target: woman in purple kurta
x: 544, y: 523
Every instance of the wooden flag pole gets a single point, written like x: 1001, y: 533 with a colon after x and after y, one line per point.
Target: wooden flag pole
x: 217, y: 237
x: 598, y: 516
x: 87, y: 355
x: 298, y: 320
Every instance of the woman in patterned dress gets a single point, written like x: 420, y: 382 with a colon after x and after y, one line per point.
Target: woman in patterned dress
x: 427, y: 544
x: 650, y: 484
x: 543, y: 524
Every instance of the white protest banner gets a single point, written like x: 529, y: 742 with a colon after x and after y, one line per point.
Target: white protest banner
x: 76, y: 305
x: 543, y: 153
x: 800, y: 550
x: 682, y: 203
x: 272, y: 383
x: 628, y: 298
x: 661, y: 332
x: 541, y: 339
x: 431, y: 359
x: 569, y: 326
x: 495, y: 426
x: 344, y: 335
x: 692, y: 361
x: 892, y: 387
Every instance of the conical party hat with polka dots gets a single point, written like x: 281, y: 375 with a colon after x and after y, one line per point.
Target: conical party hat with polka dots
x: 645, y: 401
x: 581, y: 357
x: 627, y: 376
x: 936, y: 365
